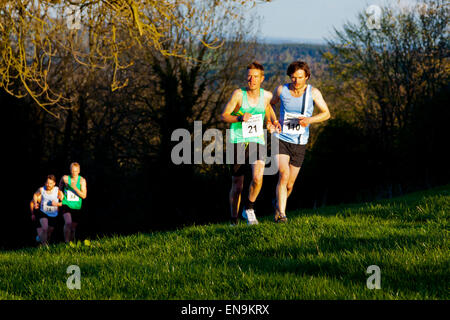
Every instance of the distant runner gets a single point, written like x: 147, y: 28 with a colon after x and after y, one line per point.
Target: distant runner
x: 297, y: 105
x: 246, y: 111
x: 44, y: 208
x: 75, y: 191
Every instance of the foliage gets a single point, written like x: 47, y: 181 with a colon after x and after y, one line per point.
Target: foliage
x: 96, y: 33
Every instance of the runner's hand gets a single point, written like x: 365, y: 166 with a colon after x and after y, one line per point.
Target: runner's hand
x: 277, y: 126
x: 304, y: 121
x: 246, y: 116
x: 270, y: 128
x: 55, y: 203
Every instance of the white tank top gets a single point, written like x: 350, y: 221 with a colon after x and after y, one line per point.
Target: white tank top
x: 46, y: 202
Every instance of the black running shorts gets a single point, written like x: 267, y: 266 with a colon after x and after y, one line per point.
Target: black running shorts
x: 52, y: 221
x: 296, y: 152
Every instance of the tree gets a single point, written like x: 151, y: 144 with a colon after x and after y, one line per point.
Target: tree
x: 95, y: 33
x: 391, y: 76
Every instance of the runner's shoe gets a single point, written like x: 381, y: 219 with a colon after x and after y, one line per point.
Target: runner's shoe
x: 38, y: 239
x: 249, y: 215
x: 278, y: 217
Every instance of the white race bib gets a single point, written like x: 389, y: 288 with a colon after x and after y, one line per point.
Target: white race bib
x: 48, y: 208
x: 291, y: 124
x: 253, y: 127
x: 72, y: 196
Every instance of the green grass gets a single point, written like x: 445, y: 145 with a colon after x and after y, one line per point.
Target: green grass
x: 318, y: 254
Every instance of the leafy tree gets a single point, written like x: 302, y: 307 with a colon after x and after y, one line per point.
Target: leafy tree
x: 390, y: 78
x: 95, y: 33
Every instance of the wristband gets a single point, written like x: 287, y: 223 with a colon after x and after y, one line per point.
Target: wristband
x: 240, y: 118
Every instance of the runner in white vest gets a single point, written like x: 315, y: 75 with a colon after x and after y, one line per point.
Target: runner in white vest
x: 297, y: 100
x: 44, y: 208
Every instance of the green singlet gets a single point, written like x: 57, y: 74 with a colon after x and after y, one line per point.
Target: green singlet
x: 71, y: 199
x: 236, y: 127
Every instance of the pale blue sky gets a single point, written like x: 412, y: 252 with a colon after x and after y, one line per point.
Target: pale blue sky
x: 311, y: 19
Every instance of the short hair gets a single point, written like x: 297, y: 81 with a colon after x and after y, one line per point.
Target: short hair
x: 256, y: 65
x: 51, y: 177
x: 76, y: 164
x: 298, y: 65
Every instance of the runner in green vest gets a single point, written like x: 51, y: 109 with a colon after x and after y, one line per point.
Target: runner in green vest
x: 75, y: 191
x: 246, y: 111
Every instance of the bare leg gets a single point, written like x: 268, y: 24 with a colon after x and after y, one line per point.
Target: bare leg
x: 44, y: 230
x: 257, y: 180
x: 293, y: 173
x: 67, y: 227
x: 237, y: 184
x: 282, y: 191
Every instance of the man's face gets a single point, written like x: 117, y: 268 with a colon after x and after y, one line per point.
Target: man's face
x: 49, y: 184
x: 74, y: 171
x: 254, y: 79
x: 299, y: 79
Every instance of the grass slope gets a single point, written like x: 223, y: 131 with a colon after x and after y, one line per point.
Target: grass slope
x: 318, y: 254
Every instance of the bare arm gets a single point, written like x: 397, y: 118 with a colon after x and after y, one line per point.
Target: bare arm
x: 270, y: 113
x: 83, y: 188
x: 273, y: 102
x: 34, y: 203
x: 62, y: 183
x: 37, y: 198
x: 60, y: 197
x: 276, y: 96
x: 234, y: 103
x: 322, y: 105
x: 82, y: 192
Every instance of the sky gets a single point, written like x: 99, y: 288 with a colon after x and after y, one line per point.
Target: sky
x: 311, y: 20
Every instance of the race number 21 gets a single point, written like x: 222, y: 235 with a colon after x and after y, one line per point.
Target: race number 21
x: 253, y: 127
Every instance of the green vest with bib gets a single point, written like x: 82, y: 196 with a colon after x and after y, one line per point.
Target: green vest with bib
x: 236, y: 135
x: 71, y: 198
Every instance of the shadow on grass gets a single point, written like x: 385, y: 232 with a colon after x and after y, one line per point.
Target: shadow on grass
x: 348, y: 259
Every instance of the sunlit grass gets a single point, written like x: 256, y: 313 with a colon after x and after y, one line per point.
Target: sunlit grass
x: 318, y: 254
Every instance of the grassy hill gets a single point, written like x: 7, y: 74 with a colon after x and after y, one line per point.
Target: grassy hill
x: 320, y: 254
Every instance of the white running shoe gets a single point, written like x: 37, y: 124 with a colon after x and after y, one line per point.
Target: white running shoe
x: 249, y: 215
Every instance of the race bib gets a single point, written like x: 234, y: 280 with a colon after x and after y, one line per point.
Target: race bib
x: 291, y: 124
x: 48, y: 208
x: 71, y: 196
x: 253, y: 127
